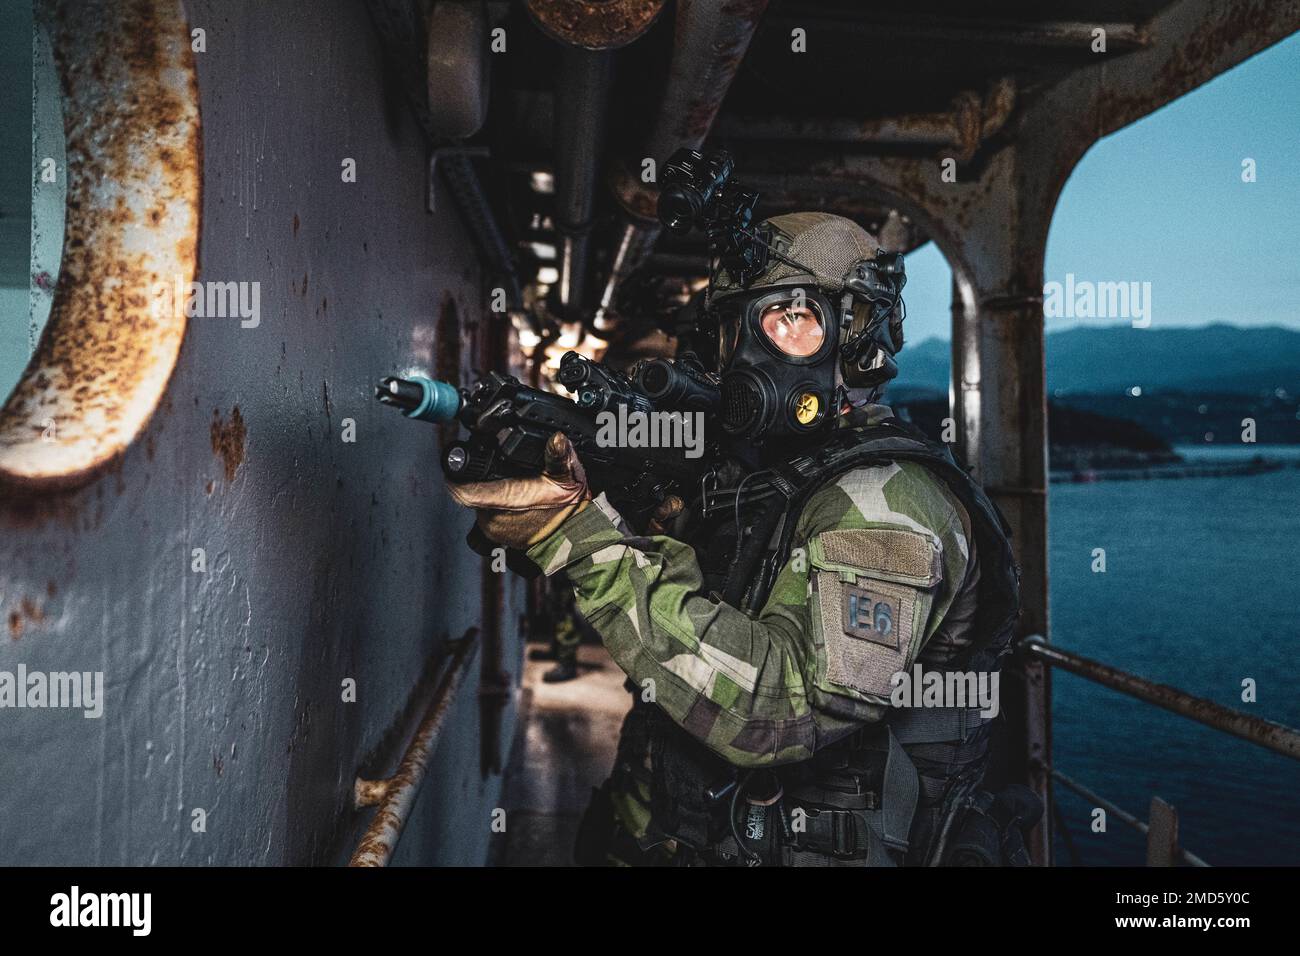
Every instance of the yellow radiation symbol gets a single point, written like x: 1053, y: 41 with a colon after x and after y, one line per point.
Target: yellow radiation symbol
x: 806, y: 408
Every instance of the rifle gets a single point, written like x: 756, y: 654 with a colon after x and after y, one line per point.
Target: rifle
x: 509, y: 424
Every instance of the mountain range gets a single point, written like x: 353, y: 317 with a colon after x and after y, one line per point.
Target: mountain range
x: 1217, y: 359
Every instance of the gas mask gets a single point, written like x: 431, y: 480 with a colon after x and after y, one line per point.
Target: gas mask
x: 779, y: 363
x: 789, y: 352
x: 804, y: 306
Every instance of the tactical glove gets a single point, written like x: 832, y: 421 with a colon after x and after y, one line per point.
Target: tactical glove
x: 519, y: 512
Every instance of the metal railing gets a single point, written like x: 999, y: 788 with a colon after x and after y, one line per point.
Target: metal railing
x: 1265, y: 733
x: 395, y: 795
x: 1122, y: 815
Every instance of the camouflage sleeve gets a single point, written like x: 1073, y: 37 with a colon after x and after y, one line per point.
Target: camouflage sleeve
x: 768, y: 689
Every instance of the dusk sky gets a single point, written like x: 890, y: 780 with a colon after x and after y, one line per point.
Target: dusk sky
x: 1163, y: 201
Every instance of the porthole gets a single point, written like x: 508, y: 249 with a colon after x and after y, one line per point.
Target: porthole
x: 131, y: 177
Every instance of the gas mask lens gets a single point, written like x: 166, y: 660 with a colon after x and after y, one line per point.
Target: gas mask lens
x: 794, y: 326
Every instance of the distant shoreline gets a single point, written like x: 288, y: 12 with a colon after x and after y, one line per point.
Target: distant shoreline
x: 1257, y: 464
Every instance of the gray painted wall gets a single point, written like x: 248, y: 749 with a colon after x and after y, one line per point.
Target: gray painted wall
x: 325, y: 560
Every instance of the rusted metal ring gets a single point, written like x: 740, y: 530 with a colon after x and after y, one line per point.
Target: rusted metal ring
x: 131, y: 120
x: 595, y: 24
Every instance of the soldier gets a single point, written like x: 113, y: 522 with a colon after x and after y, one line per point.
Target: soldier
x: 560, y: 622
x: 833, y: 549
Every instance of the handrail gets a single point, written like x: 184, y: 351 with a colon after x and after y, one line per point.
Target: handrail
x: 395, y: 795
x: 1124, y: 816
x: 1266, y: 733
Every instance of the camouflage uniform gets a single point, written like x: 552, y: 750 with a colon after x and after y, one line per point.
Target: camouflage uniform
x: 776, y: 688
x: 755, y: 690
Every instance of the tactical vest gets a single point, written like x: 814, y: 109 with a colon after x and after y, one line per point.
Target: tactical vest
x: 901, y: 791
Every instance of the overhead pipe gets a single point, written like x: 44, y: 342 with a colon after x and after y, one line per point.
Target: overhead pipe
x: 710, y: 40
x: 582, y: 104
x: 395, y: 795
x: 590, y: 32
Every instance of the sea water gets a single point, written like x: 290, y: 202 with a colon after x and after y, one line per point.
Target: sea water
x: 1201, y: 591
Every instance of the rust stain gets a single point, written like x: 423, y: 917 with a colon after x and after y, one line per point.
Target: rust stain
x: 26, y: 510
x: 27, y: 610
x: 295, y: 224
x: 637, y: 199
x: 34, y: 613
x: 228, y: 440
x: 1240, y: 22
x: 1195, y: 61
x: 595, y: 24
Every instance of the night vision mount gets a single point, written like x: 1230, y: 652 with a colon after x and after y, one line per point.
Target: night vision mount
x: 699, y: 193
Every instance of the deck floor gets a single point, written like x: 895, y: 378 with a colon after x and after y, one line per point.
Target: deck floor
x: 565, y: 747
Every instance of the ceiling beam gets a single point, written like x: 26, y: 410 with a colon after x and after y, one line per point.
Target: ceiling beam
x: 1043, y: 34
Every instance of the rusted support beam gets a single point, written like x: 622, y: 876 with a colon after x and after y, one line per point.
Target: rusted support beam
x: 1266, y: 733
x: 1192, y: 42
x: 1002, y: 406
x: 395, y: 796
x: 971, y: 121
x: 923, y: 130
x: 1041, y: 34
